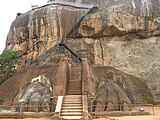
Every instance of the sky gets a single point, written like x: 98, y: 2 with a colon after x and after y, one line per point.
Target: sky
x: 8, y: 12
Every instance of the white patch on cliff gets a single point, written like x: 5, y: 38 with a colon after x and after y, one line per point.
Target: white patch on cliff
x: 37, y: 79
x: 44, y: 80
x: 133, y: 4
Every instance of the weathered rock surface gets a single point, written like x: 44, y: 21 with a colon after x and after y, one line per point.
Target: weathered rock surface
x: 125, y: 35
x: 121, y: 34
x: 118, y: 90
x: 36, y: 31
x: 36, y: 96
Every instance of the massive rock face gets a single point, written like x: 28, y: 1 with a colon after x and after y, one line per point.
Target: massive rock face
x: 36, y: 31
x: 125, y: 35
x: 121, y: 34
x: 118, y: 90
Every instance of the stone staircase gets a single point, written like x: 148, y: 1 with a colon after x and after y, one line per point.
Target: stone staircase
x: 74, y: 84
x: 74, y: 87
x: 72, y: 107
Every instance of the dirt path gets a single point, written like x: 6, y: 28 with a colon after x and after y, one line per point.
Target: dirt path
x: 29, y: 119
x: 43, y: 119
x: 148, y: 117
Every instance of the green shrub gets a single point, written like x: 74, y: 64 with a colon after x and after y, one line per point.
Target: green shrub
x: 9, y: 60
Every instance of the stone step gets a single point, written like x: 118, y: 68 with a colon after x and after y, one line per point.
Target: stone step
x: 72, y: 114
x: 75, y: 88
x: 74, y: 84
x: 71, y: 110
x: 78, y: 83
x: 72, y: 102
x: 71, y: 117
x: 77, y: 104
x: 67, y: 105
x: 74, y: 93
x: 70, y: 90
x: 76, y: 80
x: 73, y: 97
x: 71, y: 107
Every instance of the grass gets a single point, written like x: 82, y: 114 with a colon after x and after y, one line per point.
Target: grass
x: 2, y: 110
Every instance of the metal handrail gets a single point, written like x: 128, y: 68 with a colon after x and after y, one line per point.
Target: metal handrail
x: 71, y: 51
x: 62, y: 43
x: 134, y: 107
x: 59, y: 105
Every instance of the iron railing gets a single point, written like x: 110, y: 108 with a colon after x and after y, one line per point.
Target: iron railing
x: 134, y: 108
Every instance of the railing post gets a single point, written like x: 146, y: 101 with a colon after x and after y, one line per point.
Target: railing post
x: 86, y: 115
x: 153, y: 109
x: 58, y: 108
x: 87, y: 79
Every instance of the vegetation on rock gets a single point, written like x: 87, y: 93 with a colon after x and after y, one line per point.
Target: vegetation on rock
x: 18, y: 14
x: 9, y: 60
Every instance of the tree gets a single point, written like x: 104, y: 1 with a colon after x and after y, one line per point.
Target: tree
x: 9, y: 60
